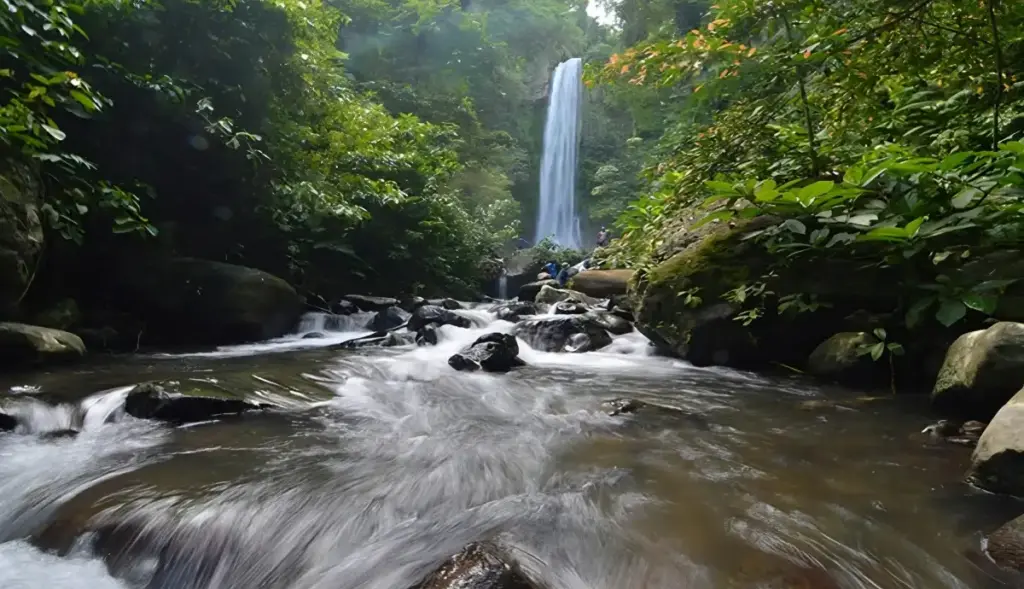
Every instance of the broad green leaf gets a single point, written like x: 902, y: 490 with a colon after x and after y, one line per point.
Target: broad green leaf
x: 953, y: 160
x: 895, y: 349
x: 722, y: 187
x: 716, y: 216
x: 993, y: 284
x: 884, y: 234
x: 807, y: 194
x: 879, y: 333
x: 84, y: 100
x: 964, y: 198
x: 794, y: 226
x: 877, y: 350
x: 983, y: 302
x: 914, y: 225
x: 916, y: 311
x: 950, y: 311
x: 54, y: 132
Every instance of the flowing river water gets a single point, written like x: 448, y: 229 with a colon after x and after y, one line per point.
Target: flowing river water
x: 384, y: 462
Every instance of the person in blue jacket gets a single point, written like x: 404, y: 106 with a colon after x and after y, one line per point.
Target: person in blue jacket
x: 552, y: 269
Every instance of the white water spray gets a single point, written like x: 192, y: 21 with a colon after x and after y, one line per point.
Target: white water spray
x: 556, y: 214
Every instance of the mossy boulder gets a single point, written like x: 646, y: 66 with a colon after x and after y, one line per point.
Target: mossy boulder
x: 528, y: 292
x: 982, y: 370
x: 192, y: 301
x: 842, y: 358
x: 997, y: 464
x: 23, y: 346
x: 683, y: 304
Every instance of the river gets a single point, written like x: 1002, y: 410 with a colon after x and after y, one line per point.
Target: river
x: 384, y: 462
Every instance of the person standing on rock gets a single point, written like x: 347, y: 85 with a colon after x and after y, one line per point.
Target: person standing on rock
x: 602, y: 237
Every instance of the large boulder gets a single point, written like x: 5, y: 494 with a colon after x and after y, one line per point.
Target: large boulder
x: 190, y: 301
x: 21, y: 233
x: 478, y: 566
x: 515, y: 310
x: 388, y: 318
x: 563, y: 333
x: 24, y: 345
x: 550, y: 295
x: 1005, y: 546
x: 528, y: 292
x: 601, y: 284
x: 494, y: 352
x: 434, y: 315
x: 982, y: 371
x: 997, y: 464
x: 842, y: 358
x: 178, y: 403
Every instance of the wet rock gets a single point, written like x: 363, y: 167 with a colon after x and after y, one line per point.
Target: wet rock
x: 956, y: 432
x: 997, y: 464
x: 450, y: 304
x: 494, y: 352
x: 59, y: 434
x: 528, y: 292
x: 389, y: 318
x: 315, y: 335
x: 982, y: 371
x: 380, y: 339
x: 556, y: 333
x: 434, y: 315
x: 412, y: 303
x: 625, y: 314
x: 427, y: 336
x: 515, y: 310
x: 343, y: 307
x: 193, y: 301
x: 23, y: 345
x: 169, y: 403
x: 601, y: 283
x: 478, y: 566
x: 613, y: 323
x: 617, y: 407
x: 570, y: 308
x: 1005, y: 546
x: 7, y: 423
x: 550, y: 295
x: 370, y: 303
x: 842, y: 358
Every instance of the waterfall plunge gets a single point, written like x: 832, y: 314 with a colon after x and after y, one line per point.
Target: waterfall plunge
x: 556, y: 215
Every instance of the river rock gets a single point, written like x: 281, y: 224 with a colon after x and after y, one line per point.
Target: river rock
x: 412, y: 303
x: 555, y: 333
x: 191, y: 301
x: 478, y: 566
x: 371, y: 303
x: 515, y: 310
x: 427, y: 335
x: 1005, y: 546
x: 450, y: 304
x: 315, y: 335
x: 982, y: 371
x: 570, y: 308
x: 550, y: 295
x: 613, y: 323
x: 390, y: 318
x: 997, y: 464
x: 344, y: 307
x: 8, y: 423
x: 177, y: 406
x: 528, y: 292
x: 434, y: 315
x: 22, y: 345
x: 841, y: 357
x: 494, y: 352
x: 381, y: 339
x: 601, y: 283
x: 618, y: 407
x: 955, y: 432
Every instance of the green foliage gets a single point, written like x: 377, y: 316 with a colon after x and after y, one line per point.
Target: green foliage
x: 546, y: 250
x: 882, y: 135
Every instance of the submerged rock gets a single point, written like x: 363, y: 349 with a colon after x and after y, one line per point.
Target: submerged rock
x: 997, y: 464
x: 982, y: 371
x: 478, y: 566
x: 59, y: 434
x: 515, y: 310
x: 380, y: 339
x: 389, y: 318
x: 617, y: 407
x: 187, y: 300
x: 955, y: 432
x: 601, y: 283
x: 494, y: 352
x: 528, y: 292
x: 371, y: 303
x: 1005, y: 546
x: 315, y: 335
x: 22, y: 345
x: 556, y: 333
x: 434, y: 315
x: 154, y: 401
x: 427, y: 336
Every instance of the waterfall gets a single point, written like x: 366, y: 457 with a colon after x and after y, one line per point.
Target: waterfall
x: 556, y: 214
x: 503, y: 286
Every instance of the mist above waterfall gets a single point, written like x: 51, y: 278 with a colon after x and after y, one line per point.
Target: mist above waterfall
x: 556, y: 214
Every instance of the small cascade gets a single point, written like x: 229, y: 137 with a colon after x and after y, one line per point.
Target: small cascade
x: 312, y: 322
x: 556, y: 214
x: 36, y: 417
x: 503, y: 286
